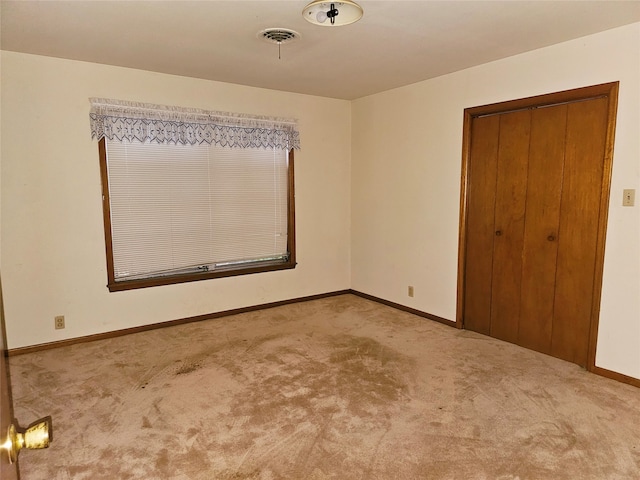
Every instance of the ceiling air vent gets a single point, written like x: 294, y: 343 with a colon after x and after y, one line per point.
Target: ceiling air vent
x: 278, y: 35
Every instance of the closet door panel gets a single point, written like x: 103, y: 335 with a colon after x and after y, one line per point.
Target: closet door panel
x: 480, y: 232
x: 511, y: 191
x: 586, y: 132
x: 540, y: 248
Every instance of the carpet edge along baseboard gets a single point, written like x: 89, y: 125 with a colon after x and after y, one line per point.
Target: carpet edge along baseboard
x: 209, y: 316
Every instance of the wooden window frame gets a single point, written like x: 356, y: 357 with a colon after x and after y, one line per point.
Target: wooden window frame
x: 121, y: 285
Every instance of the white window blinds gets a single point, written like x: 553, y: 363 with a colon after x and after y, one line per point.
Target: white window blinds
x: 177, y: 208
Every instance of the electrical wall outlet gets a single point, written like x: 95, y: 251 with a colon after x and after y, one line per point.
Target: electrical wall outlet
x: 410, y: 291
x: 59, y: 322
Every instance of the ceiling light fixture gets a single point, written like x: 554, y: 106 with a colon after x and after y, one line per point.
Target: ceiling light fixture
x: 337, y: 13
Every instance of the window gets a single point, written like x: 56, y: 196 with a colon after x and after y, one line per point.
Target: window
x: 183, y: 211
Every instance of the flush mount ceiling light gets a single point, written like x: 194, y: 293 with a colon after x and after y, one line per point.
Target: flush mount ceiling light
x: 335, y: 14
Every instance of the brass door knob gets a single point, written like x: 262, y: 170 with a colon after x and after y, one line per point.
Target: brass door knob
x: 38, y: 435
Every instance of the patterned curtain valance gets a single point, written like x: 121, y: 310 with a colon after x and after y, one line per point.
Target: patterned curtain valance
x: 132, y: 121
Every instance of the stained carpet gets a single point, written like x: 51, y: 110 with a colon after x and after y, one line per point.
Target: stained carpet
x: 338, y: 388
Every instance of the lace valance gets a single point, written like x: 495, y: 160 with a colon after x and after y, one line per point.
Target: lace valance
x: 132, y: 121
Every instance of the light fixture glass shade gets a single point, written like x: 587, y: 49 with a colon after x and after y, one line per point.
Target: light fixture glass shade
x: 319, y: 13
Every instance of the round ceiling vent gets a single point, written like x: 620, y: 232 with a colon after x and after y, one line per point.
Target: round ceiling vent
x: 278, y: 35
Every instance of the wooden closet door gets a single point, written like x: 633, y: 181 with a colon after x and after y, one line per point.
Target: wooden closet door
x: 578, y: 231
x: 545, y: 172
x: 509, y: 214
x: 480, y: 224
x: 534, y: 207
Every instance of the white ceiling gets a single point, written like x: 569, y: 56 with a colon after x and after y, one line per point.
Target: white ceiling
x: 396, y: 43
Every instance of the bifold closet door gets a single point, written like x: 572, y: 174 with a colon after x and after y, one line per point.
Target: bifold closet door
x: 481, y: 198
x: 509, y: 219
x: 497, y: 196
x: 583, y: 177
x: 535, y: 178
x: 542, y: 221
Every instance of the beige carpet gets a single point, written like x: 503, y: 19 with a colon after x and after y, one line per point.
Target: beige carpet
x: 339, y: 388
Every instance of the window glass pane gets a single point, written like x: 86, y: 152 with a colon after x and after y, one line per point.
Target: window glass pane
x: 250, y: 218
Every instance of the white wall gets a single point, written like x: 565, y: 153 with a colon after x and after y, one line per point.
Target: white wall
x: 406, y: 165
x: 53, y: 254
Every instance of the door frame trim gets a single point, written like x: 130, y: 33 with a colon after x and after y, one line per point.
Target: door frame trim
x: 605, y: 90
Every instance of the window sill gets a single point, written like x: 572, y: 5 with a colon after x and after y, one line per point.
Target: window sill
x: 194, y: 277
